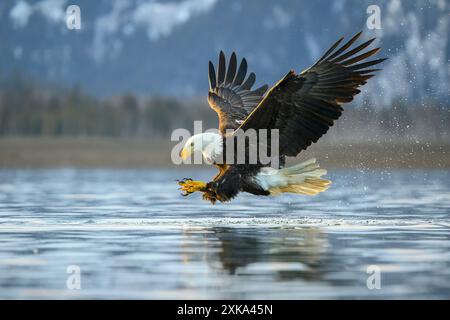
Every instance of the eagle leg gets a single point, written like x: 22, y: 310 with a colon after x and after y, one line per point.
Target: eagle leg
x: 188, y: 186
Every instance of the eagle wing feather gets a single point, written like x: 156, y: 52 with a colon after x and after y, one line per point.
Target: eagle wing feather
x: 304, y: 106
x: 230, y: 94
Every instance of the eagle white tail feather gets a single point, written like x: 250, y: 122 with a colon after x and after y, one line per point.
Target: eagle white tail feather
x: 303, y: 178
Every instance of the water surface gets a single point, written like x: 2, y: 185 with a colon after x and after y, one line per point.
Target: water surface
x: 133, y: 236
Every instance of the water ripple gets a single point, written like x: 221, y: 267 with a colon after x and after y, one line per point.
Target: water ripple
x: 134, y: 236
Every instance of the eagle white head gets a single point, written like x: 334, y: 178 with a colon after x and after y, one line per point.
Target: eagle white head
x: 208, y: 143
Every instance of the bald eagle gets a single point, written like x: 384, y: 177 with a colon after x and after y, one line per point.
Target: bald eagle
x: 301, y: 107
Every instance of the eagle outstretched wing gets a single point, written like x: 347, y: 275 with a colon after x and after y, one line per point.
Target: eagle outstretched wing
x: 230, y: 94
x: 304, y: 106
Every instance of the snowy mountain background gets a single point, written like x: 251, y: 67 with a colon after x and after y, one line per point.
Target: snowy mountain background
x: 155, y: 47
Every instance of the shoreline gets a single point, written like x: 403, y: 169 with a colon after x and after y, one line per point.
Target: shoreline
x: 87, y: 152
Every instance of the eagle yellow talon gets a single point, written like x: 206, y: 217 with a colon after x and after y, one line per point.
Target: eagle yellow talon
x: 190, y: 186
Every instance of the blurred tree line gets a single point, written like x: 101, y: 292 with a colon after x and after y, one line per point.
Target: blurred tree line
x: 27, y: 108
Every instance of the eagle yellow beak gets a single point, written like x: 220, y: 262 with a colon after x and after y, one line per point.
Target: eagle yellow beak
x: 184, y: 154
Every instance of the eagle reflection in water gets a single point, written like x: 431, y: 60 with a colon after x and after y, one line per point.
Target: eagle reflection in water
x: 299, y: 253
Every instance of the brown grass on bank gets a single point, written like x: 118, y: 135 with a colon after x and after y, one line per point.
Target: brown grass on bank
x: 32, y: 152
